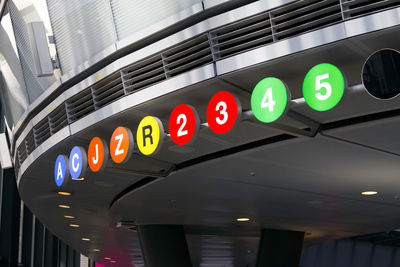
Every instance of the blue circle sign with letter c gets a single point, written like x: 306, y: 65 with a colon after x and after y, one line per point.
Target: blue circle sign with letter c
x: 61, y: 174
x: 77, y: 162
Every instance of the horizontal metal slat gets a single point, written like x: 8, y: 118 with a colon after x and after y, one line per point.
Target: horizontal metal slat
x: 191, y: 65
x: 145, y: 83
x: 144, y: 76
x: 141, y: 67
x: 252, y: 35
x: 187, y: 51
x: 299, y: 8
x: 185, y: 45
x: 238, y: 32
x: 182, y: 61
x: 324, y: 22
x: 245, y: 47
x: 110, y: 98
x: 308, y: 17
x: 375, y: 6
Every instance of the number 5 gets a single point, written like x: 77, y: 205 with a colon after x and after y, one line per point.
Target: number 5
x: 326, y: 85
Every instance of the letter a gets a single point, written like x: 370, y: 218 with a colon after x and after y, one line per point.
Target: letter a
x: 59, y: 171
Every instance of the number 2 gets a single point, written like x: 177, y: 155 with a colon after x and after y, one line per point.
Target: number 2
x: 326, y: 85
x: 223, y: 112
x: 183, y: 118
x: 267, y: 101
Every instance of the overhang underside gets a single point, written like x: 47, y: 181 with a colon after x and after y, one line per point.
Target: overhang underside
x: 279, y: 179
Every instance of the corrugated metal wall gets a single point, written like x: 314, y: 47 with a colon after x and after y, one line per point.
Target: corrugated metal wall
x: 131, y: 16
x: 82, y: 29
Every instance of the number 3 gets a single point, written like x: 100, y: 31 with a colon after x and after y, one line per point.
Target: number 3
x: 319, y: 85
x: 223, y: 107
x: 181, y: 132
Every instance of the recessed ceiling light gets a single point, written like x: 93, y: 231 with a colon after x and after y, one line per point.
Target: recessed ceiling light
x: 64, y: 193
x: 107, y: 258
x: 74, y: 225
x: 64, y: 206
x: 96, y: 250
x: 78, y: 179
x: 69, y: 217
x: 85, y: 239
x: 113, y: 261
x: 243, y: 219
x: 369, y: 193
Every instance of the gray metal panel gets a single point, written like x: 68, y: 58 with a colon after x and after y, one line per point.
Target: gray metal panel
x: 142, y: 96
x: 282, y: 48
x: 82, y: 28
x: 132, y: 16
x: 372, y: 22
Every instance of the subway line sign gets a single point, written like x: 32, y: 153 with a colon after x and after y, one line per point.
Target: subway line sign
x: 323, y: 88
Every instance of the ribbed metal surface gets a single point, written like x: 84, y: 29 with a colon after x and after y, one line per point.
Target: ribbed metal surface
x: 30, y: 142
x: 21, y: 22
x: 132, y: 16
x: 189, y: 55
x: 21, y: 152
x: 242, y: 35
x: 80, y: 105
x: 143, y: 73
x: 58, y: 119
x: 108, y: 90
x: 41, y: 131
x: 354, y: 8
x: 233, y: 38
x: 82, y: 29
x: 303, y: 16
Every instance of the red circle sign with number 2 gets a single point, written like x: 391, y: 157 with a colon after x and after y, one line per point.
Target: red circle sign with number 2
x: 184, y: 124
x: 223, y: 111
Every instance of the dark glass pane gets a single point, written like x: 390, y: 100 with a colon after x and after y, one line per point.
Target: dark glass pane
x: 381, y: 74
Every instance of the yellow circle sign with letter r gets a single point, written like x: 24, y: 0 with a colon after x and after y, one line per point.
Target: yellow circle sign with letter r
x: 150, y: 135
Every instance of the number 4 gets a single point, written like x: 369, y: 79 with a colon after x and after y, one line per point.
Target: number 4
x: 267, y: 101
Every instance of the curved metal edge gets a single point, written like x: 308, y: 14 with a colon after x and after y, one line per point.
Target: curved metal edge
x: 129, y: 101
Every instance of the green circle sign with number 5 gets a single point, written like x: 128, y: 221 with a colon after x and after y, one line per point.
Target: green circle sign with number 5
x: 269, y: 99
x: 323, y: 87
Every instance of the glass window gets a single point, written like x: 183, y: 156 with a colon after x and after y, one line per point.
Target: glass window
x: 13, y: 92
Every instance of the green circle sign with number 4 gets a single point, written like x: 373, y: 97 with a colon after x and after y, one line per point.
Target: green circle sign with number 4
x: 269, y: 99
x: 323, y: 87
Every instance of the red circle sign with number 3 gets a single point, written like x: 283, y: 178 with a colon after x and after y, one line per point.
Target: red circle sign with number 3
x: 184, y: 123
x: 223, y: 111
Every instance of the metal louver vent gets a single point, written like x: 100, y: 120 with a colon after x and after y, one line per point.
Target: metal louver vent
x: 79, y: 105
x: 189, y: 55
x: 303, y: 16
x: 41, y: 131
x: 353, y: 8
x: 58, y: 119
x: 108, y: 90
x: 143, y: 74
x: 22, y: 153
x: 17, y: 165
x: 241, y: 36
x: 30, y: 142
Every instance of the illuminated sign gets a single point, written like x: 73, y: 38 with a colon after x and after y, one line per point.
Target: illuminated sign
x: 223, y: 111
x: 184, y: 124
x: 150, y: 135
x: 97, y: 154
x: 323, y: 87
x: 77, y: 162
x: 61, y: 173
x: 121, y: 145
x: 269, y: 99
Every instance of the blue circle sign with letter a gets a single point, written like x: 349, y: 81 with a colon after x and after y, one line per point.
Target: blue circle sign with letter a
x: 77, y: 162
x: 61, y: 174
